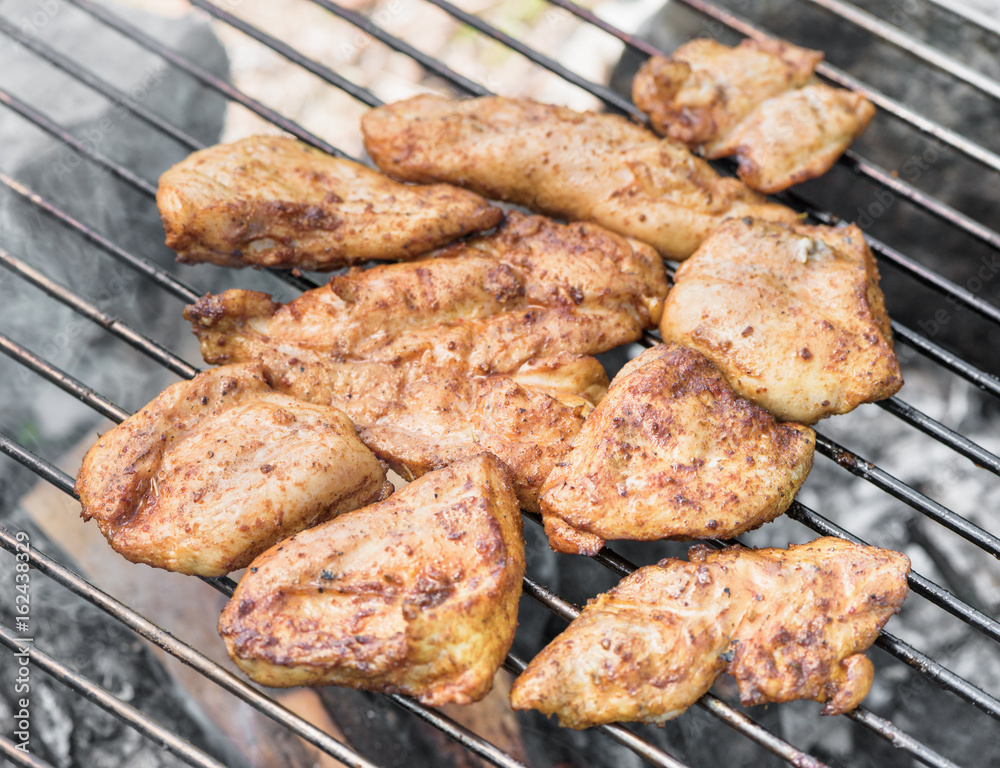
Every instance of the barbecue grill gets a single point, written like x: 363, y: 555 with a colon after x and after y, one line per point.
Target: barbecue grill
x: 934, y: 345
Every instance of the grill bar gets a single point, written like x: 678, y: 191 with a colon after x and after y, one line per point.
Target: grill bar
x: 61, y: 379
x: 957, y: 442
x: 361, y: 94
x: 971, y: 373
x: 16, y: 757
x: 203, y: 76
x: 74, y: 70
x: 429, y: 63
x: 912, y: 45
x: 898, y: 110
x: 939, y: 674
x: 33, y: 115
x: 110, y: 323
x: 141, y: 626
x: 932, y: 509
x: 899, y: 739
x: 605, y: 94
x: 160, y: 276
x: 919, y: 584
x: 103, y: 698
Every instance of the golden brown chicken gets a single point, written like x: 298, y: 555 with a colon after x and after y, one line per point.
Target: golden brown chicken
x: 438, y: 359
x: 791, y: 315
x: 585, y: 166
x: 758, y: 101
x: 787, y: 624
x: 416, y: 595
x: 217, y: 469
x: 673, y: 453
x: 272, y: 201
x: 534, y: 288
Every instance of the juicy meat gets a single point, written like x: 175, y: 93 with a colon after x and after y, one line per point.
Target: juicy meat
x: 415, y: 595
x: 758, y: 101
x: 673, y: 453
x: 534, y: 288
x: 439, y: 359
x: 586, y: 166
x: 787, y: 624
x: 272, y: 201
x: 217, y: 469
x: 791, y: 315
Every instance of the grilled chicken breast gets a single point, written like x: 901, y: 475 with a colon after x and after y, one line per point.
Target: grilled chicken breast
x: 534, y: 288
x: 787, y: 624
x: 272, y: 201
x: 217, y: 469
x: 791, y: 315
x: 415, y: 595
x: 758, y: 101
x: 438, y: 359
x: 584, y: 166
x: 673, y: 453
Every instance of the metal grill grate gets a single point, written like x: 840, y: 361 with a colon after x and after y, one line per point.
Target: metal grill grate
x: 917, y: 341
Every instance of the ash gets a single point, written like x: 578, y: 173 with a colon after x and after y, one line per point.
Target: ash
x: 73, y: 732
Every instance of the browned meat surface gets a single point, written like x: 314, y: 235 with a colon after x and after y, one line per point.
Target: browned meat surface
x: 673, y: 453
x: 791, y: 315
x: 438, y: 359
x: 217, y: 469
x: 415, y: 595
x: 585, y: 166
x: 272, y: 201
x: 787, y: 624
x: 758, y: 101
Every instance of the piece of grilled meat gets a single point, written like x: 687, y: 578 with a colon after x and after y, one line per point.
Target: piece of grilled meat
x: 272, y: 201
x: 758, y: 101
x: 438, y: 359
x: 791, y: 315
x: 787, y: 624
x: 577, y: 165
x: 415, y: 595
x: 673, y: 453
x: 217, y: 469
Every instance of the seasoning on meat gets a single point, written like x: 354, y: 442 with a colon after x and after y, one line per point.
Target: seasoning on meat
x: 217, y: 469
x: 672, y: 452
x: 415, y: 595
x: 787, y: 624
